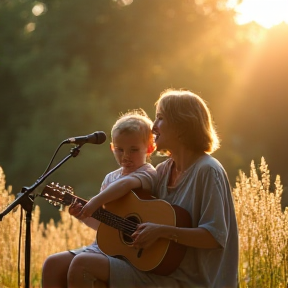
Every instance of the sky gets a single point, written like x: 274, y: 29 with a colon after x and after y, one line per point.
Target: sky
x: 267, y: 13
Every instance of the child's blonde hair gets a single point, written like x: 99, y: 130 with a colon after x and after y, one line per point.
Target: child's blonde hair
x: 136, y: 120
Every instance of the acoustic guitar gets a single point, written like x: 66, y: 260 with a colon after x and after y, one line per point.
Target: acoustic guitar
x: 119, y: 220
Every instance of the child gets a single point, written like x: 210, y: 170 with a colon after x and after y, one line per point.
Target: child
x: 132, y: 144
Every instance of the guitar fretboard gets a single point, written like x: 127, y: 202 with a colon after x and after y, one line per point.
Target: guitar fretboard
x: 126, y: 226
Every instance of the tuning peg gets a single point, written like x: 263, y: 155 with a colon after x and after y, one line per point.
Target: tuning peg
x: 69, y: 189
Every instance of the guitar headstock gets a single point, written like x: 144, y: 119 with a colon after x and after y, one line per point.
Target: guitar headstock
x: 58, y: 195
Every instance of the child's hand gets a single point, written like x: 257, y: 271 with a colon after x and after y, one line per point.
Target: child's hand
x: 90, y: 207
x: 75, y: 209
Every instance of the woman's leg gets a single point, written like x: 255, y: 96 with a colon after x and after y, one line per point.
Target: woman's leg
x: 55, y: 269
x: 88, y: 270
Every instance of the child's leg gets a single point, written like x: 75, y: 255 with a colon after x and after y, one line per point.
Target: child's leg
x: 55, y: 269
x: 88, y: 270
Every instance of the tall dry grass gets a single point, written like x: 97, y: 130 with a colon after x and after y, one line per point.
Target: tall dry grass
x: 263, y: 234
x: 263, y: 229
x: 55, y: 237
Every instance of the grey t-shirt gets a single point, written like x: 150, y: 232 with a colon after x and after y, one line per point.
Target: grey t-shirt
x: 146, y: 174
x: 204, y: 191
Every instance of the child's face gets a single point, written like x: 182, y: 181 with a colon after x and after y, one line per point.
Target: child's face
x: 129, y: 150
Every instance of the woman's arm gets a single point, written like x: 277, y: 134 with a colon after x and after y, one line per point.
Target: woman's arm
x: 148, y: 233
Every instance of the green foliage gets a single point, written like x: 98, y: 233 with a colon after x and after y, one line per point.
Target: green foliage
x: 255, y: 115
x: 71, y: 71
x: 74, y: 68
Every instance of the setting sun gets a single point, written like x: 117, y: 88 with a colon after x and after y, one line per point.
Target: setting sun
x: 266, y: 13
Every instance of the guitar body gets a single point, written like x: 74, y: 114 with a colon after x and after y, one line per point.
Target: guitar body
x: 164, y: 256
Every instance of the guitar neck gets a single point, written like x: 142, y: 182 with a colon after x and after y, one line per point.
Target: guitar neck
x: 125, y: 225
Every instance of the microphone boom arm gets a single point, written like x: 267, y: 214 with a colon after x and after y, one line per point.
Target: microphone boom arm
x: 26, y: 200
x: 27, y: 190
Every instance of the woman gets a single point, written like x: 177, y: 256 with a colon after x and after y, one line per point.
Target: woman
x: 195, y: 181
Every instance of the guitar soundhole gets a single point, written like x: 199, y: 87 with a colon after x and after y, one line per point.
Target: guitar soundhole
x: 125, y: 237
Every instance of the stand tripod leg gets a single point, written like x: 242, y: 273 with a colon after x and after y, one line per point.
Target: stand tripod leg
x: 28, y: 248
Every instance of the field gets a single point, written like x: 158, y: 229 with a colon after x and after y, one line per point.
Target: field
x: 263, y: 234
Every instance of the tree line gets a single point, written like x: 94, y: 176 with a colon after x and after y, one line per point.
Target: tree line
x: 71, y: 69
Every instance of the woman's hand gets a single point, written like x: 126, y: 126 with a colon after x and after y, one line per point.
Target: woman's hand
x: 145, y: 235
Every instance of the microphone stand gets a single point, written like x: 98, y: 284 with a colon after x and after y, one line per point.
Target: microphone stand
x: 26, y: 201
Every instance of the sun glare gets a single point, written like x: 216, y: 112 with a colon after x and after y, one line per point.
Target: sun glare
x: 266, y: 13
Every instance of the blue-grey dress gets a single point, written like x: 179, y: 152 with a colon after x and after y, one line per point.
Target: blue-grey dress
x: 204, y: 191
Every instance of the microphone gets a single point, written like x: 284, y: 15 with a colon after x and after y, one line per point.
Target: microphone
x: 97, y: 137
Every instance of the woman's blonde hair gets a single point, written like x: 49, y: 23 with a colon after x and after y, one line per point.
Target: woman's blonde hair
x: 133, y: 121
x: 190, y: 116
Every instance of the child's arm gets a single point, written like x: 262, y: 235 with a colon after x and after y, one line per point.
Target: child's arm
x: 114, y: 191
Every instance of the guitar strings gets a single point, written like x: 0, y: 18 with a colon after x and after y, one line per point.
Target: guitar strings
x: 125, y: 225
x: 122, y: 224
